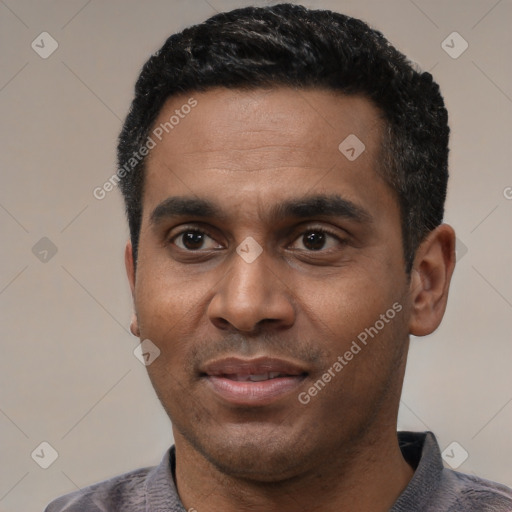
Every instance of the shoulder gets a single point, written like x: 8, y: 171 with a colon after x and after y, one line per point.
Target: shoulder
x: 125, y: 492
x: 436, y: 488
x: 471, y: 493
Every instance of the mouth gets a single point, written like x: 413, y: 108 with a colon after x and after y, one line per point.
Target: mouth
x: 252, y: 382
x: 250, y: 377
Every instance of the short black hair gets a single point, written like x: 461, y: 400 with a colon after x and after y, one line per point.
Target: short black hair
x: 290, y: 45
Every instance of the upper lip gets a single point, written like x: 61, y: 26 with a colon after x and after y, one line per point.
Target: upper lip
x: 256, y: 366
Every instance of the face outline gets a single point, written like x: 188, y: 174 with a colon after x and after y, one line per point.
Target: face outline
x: 246, y: 153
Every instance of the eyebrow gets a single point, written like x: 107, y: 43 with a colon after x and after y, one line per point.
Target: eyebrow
x: 323, y: 205
x: 305, y: 207
x: 180, y: 206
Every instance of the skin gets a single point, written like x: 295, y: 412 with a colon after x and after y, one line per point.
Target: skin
x: 248, y: 151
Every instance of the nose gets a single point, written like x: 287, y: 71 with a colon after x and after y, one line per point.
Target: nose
x: 250, y: 295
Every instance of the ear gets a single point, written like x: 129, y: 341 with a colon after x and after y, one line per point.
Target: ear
x: 130, y: 272
x: 430, y: 280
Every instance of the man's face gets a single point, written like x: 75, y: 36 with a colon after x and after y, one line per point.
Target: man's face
x: 245, y: 334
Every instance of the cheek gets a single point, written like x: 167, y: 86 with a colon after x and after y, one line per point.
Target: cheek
x: 361, y: 321
x: 167, y: 316
x: 166, y: 304
x: 364, y: 333
x: 348, y: 303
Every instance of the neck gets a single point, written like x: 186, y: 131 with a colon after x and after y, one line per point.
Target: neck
x: 368, y: 478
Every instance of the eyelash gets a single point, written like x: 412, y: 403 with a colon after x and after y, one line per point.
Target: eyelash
x: 192, y: 229
x: 302, y: 233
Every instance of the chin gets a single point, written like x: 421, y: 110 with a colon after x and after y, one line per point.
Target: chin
x: 253, y: 454
x: 252, y: 462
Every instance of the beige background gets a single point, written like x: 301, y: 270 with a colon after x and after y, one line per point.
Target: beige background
x: 67, y: 372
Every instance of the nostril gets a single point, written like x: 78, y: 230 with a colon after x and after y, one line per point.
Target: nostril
x: 220, y: 323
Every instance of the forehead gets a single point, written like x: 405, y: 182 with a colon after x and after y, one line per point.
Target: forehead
x: 299, y: 119
x: 265, y: 143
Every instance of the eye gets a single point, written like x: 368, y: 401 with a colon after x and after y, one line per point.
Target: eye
x: 194, y: 240
x: 316, y: 239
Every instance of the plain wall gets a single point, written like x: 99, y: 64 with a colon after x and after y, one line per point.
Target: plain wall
x: 68, y: 375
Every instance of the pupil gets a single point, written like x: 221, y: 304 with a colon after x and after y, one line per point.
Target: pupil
x: 314, y: 241
x: 193, y: 240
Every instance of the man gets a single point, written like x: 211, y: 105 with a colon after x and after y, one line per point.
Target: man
x: 284, y: 174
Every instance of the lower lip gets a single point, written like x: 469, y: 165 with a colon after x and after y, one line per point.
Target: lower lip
x: 253, y: 393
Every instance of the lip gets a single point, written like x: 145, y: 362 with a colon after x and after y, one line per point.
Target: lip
x: 227, y: 378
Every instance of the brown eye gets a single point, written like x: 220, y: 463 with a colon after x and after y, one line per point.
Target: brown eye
x: 314, y: 240
x: 194, y: 240
x: 317, y: 239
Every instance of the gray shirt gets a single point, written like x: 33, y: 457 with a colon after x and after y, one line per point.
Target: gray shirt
x: 433, y: 488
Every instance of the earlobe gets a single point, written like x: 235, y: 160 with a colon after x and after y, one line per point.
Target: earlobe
x: 134, y: 326
x: 430, y: 280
